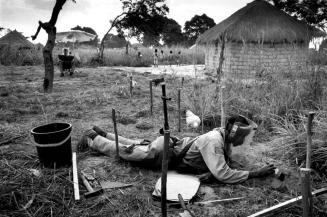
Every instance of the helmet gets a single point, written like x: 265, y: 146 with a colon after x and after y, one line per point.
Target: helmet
x: 240, y: 130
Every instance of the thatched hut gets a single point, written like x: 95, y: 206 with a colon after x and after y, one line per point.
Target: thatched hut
x: 16, y: 49
x: 258, y: 37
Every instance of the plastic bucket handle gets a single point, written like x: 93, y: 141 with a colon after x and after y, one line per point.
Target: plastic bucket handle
x: 51, y: 144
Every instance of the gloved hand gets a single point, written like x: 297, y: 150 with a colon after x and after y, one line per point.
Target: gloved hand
x: 206, y: 178
x: 262, y: 172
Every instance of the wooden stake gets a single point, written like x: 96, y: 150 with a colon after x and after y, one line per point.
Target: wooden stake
x: 164, y: 168
x: 164, y: 100
x: 179, y: 109
x: 164, y: 174
x: 115, y: 130
x: 75, y: 177
x: 131, y: 86
x: 309, y: 139
x: 222, y: 108
x: 305, y: 172
x: 182, y: 82
x: 151, y: 98
x: 221, y: 80
x: 306, y: 192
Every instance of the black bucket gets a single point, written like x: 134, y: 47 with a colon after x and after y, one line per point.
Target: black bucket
x: 53, y: 144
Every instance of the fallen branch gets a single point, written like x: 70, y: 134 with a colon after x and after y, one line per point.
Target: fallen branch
x: 278, y: 207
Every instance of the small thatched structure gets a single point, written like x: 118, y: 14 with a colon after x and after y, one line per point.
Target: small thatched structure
x: 16, y: 49
x: 258, y: 37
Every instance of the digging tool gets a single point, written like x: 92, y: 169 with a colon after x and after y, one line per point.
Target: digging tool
x: 91, y: 192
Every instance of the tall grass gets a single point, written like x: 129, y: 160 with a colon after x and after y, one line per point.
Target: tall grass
x: 292, y: 138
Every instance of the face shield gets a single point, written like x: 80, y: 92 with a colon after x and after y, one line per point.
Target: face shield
x: 243, y: 132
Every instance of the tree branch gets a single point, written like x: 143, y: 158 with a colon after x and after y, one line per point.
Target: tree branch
x: 55, y: 12
x: 37, y: 31
x: 53, y: 20
x: 114, y: 22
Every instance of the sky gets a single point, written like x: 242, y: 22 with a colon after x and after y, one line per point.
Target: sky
x: 23, y: 15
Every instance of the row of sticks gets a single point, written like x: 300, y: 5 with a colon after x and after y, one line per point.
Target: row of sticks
x: 305, y: 172
x: 156, y: 82
x: 307, y: 202
x: 166, y: 144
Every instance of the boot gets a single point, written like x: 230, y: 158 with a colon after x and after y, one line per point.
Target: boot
x: 99, y: 131
x: 83, y: 143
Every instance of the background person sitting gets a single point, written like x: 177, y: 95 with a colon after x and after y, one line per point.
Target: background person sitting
x: 66, y: 63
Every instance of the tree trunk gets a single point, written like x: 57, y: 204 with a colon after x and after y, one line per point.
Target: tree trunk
x: 50, y: 28
x: 102, y: 48
x: 48, y: 61
x: 113, y: 24
x: 126, y: 47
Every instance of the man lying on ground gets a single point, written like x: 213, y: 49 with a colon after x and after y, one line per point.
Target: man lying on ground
x: 206, y: 155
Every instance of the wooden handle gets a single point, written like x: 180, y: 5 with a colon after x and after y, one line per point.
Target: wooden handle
x: 86, y: 183
x: 181, y: 201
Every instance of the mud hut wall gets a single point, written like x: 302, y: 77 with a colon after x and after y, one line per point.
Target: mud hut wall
x: 250, y: 58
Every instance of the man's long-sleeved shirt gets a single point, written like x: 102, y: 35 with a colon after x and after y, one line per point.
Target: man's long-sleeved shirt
x: 207, y: 152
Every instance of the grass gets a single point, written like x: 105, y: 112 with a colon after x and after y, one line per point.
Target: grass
x: 86, y: 99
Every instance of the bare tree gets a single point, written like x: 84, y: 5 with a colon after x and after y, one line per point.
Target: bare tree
x: 50, y: 28
x: 113, y: 24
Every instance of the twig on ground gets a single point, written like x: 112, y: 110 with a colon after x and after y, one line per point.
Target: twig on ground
x: 10, y: 140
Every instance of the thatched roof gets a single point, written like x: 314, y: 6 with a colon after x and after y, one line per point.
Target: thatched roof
x: 260, y: 21
x: 16, y: 39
